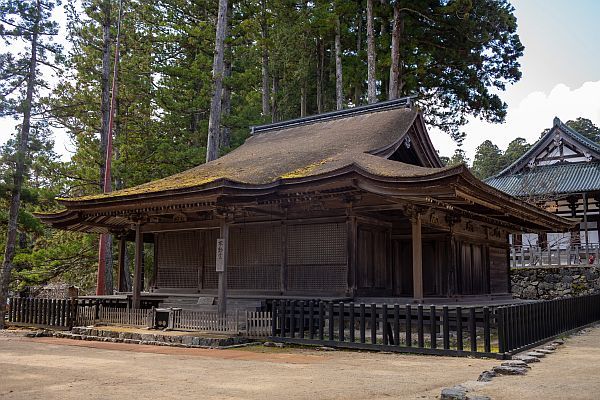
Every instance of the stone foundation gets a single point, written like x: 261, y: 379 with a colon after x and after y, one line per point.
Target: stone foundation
x: 554, y: 282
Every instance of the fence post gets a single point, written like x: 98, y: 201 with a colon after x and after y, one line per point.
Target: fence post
x: 373, y: 323
x: 311, y: 319
x: 473, y: 329
x: 341, y: 321
x: 293, y: 318
x: 421, y: 339
x: 397, y: 324
x: 363, y: 324
x: 446, y: 327
x: 408, y: 325
x: 432, y: 327
x: 321, y: 320
x: 274, y: 318
x: 486, y: 330
x: 352, y: 322
x: 384, y: 323
x: 301, y: 319
x: 459, y: 329
x: 500, y: 312
x: 330, y: 320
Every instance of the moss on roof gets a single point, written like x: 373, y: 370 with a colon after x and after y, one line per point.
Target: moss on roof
x: 297, y: 152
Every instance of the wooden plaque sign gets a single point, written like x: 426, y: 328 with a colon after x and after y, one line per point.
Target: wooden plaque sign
x: 220, y: 255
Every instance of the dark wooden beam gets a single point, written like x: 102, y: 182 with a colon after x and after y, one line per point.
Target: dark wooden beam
x: 417, y: 256
x: 222, y: 290
x: 121, y: 279
x: 139, y: 254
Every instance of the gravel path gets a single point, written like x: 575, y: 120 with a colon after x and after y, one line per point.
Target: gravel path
x: 572, y: 372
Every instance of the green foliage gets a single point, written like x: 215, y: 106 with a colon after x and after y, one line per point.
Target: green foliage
x: 459, y: 157
x: 488, y: 160
x: 586, y: 128
x: 514, y: 151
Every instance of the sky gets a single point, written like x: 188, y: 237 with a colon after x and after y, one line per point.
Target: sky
x: 561, y: 74
x: 561, y: 77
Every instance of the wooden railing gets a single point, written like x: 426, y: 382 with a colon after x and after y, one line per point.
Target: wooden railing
x: 521, y: 326
x: 258, y: 323
x: 56, y: 313
x: 206, y: 321
x: 125, y: 316
x: 406, y: 328
x: 535, y: 256
x: 464, y: 331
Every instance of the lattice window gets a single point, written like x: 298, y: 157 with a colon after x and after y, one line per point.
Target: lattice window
x: 255, y: 245
x: 255, y: 257
x: 210, y: 277
x: 317, y: 257
x: 317, y: 244
x: 179, y: 260
x: 329, y: 278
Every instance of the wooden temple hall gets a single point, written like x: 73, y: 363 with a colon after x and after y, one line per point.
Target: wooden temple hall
x: 353, y: 203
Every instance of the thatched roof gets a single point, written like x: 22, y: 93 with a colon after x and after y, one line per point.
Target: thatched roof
x: 381, y: 149
x: 304, y: 150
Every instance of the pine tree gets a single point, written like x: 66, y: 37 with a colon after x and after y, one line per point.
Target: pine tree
x: 27, y: 22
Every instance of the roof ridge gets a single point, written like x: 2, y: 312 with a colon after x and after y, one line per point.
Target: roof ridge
x: 577, y: 135
x: 403, y: 102
x: 558, y: 124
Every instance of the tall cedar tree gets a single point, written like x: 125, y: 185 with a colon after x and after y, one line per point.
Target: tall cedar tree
x: 27, y: 22
x: 214, y: 121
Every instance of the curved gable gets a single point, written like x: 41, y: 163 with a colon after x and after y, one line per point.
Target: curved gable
x: 559, y: 145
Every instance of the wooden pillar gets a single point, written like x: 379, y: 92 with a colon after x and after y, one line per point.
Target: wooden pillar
x: 121, y: 279
x: 283, y: 273
x: 223, y: 274
x: 351, y: 228
x: 417, y: 256
x: 137, y: 275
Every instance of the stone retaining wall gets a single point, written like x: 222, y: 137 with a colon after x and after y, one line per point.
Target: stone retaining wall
x: 554, y: 282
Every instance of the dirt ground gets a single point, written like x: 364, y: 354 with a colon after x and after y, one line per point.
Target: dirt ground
x: 65, y: 369
x: 573, y: 373
x: 51, y: 368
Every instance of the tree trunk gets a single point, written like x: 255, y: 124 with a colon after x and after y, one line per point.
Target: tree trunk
x: 120, y: 184
x: 104, y: 284
x: 225, y: 134
x: 320, y: 64
x: 214, y: 122
x: 303, y: 100
x: 274, y: 98
x: 265, y: 60
x: 339, y: 85
x: 371, y: 80
x: 358, y: 86
x: 397, y: 29
x: 22, y: 150
x: 105, y: 88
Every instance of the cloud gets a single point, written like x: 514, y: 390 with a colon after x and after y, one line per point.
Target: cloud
x: 529, y: 117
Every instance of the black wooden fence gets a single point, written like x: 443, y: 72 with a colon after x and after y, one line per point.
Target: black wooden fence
x: 522, y: 326
x: 399, y: 328
x: 443, y: 330
x: 56, y: 313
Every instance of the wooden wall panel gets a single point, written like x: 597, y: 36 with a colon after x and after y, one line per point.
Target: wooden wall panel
x: 498, y: 270
x: 402, y: 267
x: 373, y: 266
